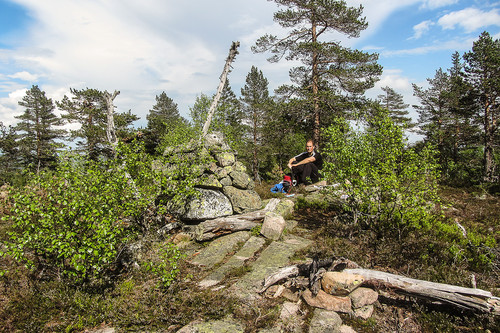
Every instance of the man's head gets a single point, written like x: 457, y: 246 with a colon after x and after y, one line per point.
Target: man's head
x: 310, y: 146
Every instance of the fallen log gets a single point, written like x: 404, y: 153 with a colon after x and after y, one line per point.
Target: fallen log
x: 307, y: 269
x: 461, y: 297
x: 472, y: 299
x: 210, y: 229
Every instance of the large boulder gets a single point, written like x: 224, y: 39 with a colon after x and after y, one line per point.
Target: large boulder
x: 210, y: 204
x: 243, y: 201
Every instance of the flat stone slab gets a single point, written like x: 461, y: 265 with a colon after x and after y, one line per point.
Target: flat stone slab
x: 248, y: 250
x: 274, y: 257
x: 218, y: 249
x: 226, y: 325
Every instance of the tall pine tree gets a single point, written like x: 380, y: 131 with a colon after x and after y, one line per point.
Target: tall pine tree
x: 483, y: 73
x: 329, y: 69
x: 37, y: 130
x: 398, y: 109
x: 256, y: 102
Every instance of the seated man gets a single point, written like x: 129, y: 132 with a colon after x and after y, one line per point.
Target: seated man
x: 305, y: 167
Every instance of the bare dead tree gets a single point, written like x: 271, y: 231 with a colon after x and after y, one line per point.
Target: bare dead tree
x: 233, y: 51
x: 110, y: 130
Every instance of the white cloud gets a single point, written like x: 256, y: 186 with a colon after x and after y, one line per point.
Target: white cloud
x: 9, y: 107
x: 451, y: 45
x: 435, y: 4
x: 421, y: 28
x: 470, y: 19
x: 24, y: 76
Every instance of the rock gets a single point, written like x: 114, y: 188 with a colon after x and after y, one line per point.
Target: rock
x: 217, y: 250
x: 289, y: 310
x: 243, y: 200
x: 328, y: 302
x: 363, y: 296
x: 325, y: 321
x: 226, y: 325
x: 209, y: 182
x: 273, y: 226
x: 240, y: 179
x: 270, y: 260
x: 290, y: 295
x: 364, y: 312
x: 210, y: 204
x: 346, y: 329
x: 285, y: 208
x: 226, y: 181
x: 340, y: 283
x: 248, y: 250
x: 225, y: 159
x: 215, y: 141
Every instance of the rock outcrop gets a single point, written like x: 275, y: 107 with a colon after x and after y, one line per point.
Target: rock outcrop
x: 223, y: 183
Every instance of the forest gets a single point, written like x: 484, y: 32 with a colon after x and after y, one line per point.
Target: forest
x: 79, y: 182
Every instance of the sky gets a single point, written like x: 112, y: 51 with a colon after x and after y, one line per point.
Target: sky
x: 145, y: 47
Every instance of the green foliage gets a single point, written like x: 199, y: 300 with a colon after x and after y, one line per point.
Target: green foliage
x: 390, y: 186
x: 166, y: 267
x: 72, y: 223
x: 36, y: 132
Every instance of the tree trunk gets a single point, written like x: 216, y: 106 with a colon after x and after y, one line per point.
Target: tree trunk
x: 110, y: 129
x: 315, y: 89
x: 233, y: 51
x: 210, y: 229
x: 489, y: 137
x: 464, y: 298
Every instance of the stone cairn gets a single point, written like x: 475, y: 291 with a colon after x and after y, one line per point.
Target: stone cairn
x: 224, y: 185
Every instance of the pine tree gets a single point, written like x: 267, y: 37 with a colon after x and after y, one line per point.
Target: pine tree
x: 228, y: 118
x: 9, y: 157
x: 398, y: 109
x: 87, y: 108
x: 163, y: 112
x: 483, y: 73
x: 434, y: 115
x: 329, y: 69
x: 37, y: 133
x: 255, y: 98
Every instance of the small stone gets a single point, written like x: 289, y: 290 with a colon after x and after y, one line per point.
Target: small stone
x: 340, y: 283
x: 363, y: 296
x: 289, y: 310
x: 325, y: 321
x: 364, y: 312
x: 346, y: 329
x: 273, y: 226
x: 328, y: 302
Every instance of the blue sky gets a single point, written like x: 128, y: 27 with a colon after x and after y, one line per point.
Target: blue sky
x: 144, y: 47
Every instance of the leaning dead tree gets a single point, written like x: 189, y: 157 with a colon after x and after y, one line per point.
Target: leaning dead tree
x: 233, y: 51
x: 110, y: 129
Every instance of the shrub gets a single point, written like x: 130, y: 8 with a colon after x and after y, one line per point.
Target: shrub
x: 390, y: 186
x: 73, y: 222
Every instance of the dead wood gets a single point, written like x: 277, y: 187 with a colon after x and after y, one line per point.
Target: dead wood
x: 210, y: 229
x: 460, y: 297
x: 308, y: 269
x: 472, y: 299
x: 233, y: 51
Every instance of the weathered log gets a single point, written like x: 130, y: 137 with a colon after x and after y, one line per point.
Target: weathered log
x: 331, y: 264
x: 464, y: 298
x: 209, y: 229
x: 461, y: 297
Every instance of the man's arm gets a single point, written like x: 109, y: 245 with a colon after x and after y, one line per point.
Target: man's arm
x: 304, y: 161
